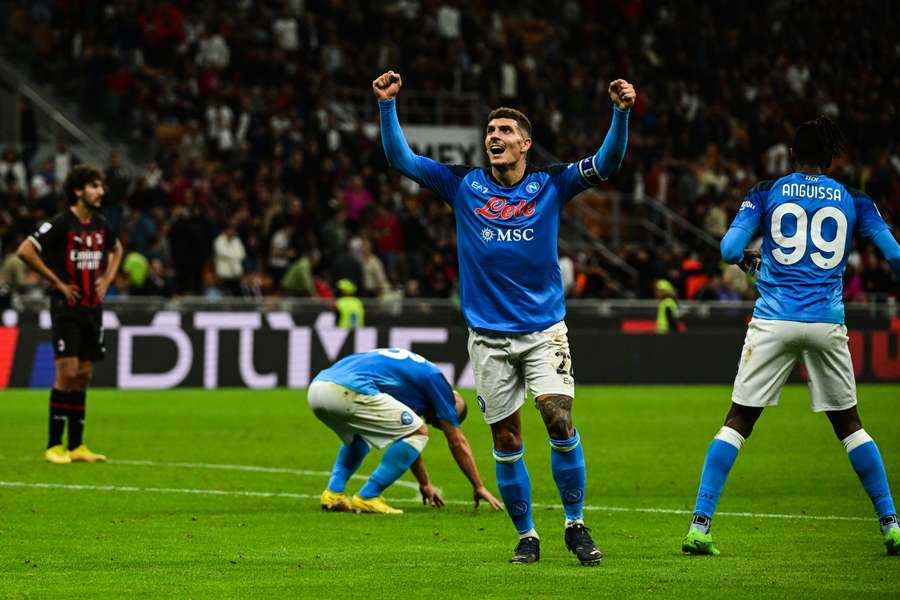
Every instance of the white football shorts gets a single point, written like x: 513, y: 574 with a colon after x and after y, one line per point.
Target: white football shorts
x: 507, y: 365
x: 771, y: 349
x: 379, y: 420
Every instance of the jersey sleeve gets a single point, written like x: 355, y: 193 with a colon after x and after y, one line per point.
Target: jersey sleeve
x: 573, y: 178
x: 869, y: 222
x: 443, y: 180
x: 749, y: 215
x: 50, y: 234
x: 440, y: 394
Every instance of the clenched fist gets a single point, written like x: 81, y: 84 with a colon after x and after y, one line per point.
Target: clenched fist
x: 387, y: 85
x: 622, y: 93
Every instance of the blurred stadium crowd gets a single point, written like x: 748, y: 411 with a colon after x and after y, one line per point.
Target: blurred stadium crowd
x: 258, y: 187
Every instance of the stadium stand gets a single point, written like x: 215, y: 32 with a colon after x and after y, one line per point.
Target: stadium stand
x: 244, y: 114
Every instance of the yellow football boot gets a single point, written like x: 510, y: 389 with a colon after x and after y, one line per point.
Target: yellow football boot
x: 373, y: 505
x: 334, y: 501
x: 83, y: 454
x: 57, y: 455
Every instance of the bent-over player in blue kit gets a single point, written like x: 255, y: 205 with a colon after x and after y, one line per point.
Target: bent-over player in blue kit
x: 511, y: 293
x: 379, y: 399
x: 807, y: 221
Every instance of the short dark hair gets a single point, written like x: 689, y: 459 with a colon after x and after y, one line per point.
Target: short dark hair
x: 817, y: 142
x: 78, y: 178
x: 510, y: 113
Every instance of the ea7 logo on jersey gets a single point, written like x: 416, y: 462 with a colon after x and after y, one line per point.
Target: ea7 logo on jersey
x: 747, y: 204
x: 480, y: 187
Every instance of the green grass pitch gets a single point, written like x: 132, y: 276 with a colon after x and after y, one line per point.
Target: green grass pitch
x: 174, y: 515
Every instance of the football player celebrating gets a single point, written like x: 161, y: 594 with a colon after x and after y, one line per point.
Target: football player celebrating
x: 511, y: 292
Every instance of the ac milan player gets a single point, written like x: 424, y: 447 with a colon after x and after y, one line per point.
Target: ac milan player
x: 511, y: 292
x: 79, y: 254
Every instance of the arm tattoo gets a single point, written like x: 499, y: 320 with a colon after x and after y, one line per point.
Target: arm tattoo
x: 556, y: 410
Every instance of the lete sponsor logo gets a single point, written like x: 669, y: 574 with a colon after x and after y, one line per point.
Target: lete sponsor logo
x: 500, y: 208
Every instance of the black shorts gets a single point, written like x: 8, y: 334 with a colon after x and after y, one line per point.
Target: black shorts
x: 78, y: 333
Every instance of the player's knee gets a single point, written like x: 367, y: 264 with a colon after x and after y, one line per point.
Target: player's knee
x: 556, y: 411
x: 82, y: 379
x: 742, y: 419
x: 507, y: 441
x: 845, y: 422
x: 741, y: 425
x: 66, y: 377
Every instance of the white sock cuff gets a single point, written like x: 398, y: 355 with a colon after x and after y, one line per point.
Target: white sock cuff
x: 855, y: 440
x: 730, y: 436
x: 417, y: 441
x: 508, y: 457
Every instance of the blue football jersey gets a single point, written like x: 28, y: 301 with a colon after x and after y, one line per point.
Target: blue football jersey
x: 808, y: 223
x: 506, y: 237
x: 408, y: 377
x: 507, y: 242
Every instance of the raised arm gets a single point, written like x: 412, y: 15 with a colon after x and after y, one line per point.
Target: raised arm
x: 609, y: 157
x: 576, y: 177
x: 462, y: 454
x: 399, y: 155
x: 441, y: 179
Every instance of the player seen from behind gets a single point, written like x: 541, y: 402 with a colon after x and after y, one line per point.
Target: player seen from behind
x: 807, y: 221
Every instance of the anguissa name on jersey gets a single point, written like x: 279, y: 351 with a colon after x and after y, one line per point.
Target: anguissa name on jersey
x: 814, y: 192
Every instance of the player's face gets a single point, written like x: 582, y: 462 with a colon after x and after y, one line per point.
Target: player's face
x: 505, y: 142
x: 92, y: 194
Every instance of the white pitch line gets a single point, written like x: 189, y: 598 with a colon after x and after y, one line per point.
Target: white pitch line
x: 211, y: 492
x: 251, y: 469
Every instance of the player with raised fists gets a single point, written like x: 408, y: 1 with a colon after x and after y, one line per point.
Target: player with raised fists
x: 511, y: 292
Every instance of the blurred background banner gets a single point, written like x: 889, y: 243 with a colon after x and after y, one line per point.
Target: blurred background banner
x: 208, y: 345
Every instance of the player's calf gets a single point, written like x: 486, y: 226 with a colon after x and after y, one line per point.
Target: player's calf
x: 395, y: 462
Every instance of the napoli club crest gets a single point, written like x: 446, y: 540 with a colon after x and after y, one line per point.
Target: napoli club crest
x: 518, y: 508
x: 406, y: 418
x: 533, y: 187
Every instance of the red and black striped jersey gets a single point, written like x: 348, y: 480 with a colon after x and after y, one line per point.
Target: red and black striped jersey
x: 75, y: 251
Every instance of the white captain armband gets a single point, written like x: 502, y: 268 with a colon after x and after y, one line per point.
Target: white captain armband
x: 589, y: 172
